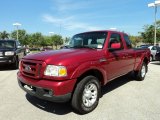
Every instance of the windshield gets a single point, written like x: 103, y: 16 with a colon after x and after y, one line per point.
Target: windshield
x: 7, y: 44
x: 93, y: 40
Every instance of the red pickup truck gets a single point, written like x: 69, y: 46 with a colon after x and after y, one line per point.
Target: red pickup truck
x: 76, y: 73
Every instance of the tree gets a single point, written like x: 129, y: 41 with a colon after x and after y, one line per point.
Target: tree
x: 46, y: 41
x: 36, y: 39
x: 27, y: 39
x: 4, y: 35
x: 0, y: 35
x: 21, y: 36
x: 56, y: 40
x: 148, y: 34
x: 66, y: 40
x: 135, y: 39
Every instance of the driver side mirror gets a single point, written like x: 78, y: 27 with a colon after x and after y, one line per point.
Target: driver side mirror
x: 115, y: 46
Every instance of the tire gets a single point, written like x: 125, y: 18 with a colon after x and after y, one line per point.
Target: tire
x: 86, y: 95
x: 25, y: 53
x: 151, y: 58
x: 16, y: 63
x: 140, y: 75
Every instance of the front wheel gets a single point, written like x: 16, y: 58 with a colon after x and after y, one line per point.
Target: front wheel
x: 140, y: 75
x: 86, y: 95
x: 16, y: 63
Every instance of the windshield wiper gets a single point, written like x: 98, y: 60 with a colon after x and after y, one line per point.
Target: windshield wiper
x: 85, y: 46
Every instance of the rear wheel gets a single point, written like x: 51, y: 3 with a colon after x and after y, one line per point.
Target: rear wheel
x: 140, y: 75
x: 86, y: 95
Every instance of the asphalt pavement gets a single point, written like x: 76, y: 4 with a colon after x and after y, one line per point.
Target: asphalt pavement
x: 123, y: 99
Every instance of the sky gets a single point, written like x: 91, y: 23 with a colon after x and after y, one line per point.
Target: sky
x: 68, y: 17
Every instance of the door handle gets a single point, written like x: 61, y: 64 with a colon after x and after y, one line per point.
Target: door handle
x: 102, y: 60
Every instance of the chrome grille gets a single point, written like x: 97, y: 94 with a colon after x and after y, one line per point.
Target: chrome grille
x: 31, y: 68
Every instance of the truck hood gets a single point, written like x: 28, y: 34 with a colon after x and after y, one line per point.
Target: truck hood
x: 66, y: 56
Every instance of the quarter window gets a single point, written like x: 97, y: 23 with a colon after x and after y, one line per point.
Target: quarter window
x: 128, y: 42
x: 154, y: 48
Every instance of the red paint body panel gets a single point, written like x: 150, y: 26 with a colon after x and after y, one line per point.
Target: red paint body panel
x: 59, y: 87
x: 78, y: 61
x: 116, y: 46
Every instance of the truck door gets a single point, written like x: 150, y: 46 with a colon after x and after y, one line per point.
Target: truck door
x: 129, y: 54
x: 115, y: 58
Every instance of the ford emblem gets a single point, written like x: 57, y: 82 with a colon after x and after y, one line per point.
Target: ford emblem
x: 28, y: 68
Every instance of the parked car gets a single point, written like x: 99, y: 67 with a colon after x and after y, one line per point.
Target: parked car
x: 144, y: 46
x: 11, y: 52
x: 77, y: 73
x: 34, y: 49
x: 27, y: 50
x: 64, y: 47
x: 157, y: 56
x: 153, y: 50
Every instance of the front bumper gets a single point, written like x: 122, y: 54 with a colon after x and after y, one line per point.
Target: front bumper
x: 55, y: 91
x: 7, y: 59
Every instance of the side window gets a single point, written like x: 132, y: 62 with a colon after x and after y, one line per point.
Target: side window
x: 128, y: 42
x: 100, y: 41
x: 18, y: 44
x: 115, y: 38
x: 154, y: 48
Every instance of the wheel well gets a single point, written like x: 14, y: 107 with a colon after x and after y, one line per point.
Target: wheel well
x: 95, y: 73
x: 146, y: 61
x: 16, y: 57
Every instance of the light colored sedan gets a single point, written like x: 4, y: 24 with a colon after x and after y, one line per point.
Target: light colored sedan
x: 153, y: 50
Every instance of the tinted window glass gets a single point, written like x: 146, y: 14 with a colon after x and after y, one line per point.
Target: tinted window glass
x: 7, y: 44
x: 115, y: 38
x: 154, y: 48
x: 128, y: 42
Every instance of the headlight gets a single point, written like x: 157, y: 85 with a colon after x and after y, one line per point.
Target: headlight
x: 9, y: 53
x: 57, y: 71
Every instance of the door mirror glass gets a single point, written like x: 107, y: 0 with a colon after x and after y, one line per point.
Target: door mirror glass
x: 115, y: 46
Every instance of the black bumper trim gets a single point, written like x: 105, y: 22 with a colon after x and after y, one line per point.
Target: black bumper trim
x: 44, y: 94
x: 7, y: 59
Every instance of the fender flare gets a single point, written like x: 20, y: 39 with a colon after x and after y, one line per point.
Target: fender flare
x: 87, y: 66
